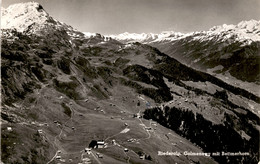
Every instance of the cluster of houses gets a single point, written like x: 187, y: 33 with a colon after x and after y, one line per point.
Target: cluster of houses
x: 131, y: 140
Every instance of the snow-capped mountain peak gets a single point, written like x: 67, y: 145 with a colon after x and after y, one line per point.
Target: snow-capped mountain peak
x: 145, y: 38
x: 243, y: 31
x: 31, y: 18
x: 20, y: 16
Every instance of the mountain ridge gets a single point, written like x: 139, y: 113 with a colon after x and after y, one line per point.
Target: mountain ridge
x: 244, y: 30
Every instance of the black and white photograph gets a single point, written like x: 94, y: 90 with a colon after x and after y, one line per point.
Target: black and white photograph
x: 130, y: 81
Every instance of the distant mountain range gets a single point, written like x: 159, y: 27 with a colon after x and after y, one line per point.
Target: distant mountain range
x: 245, y: 31
x: 230, y: 52
x: 64, y: 91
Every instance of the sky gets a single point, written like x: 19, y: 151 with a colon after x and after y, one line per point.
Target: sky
x: 147, y: 16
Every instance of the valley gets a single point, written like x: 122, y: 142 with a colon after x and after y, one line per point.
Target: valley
x: 72, y: 98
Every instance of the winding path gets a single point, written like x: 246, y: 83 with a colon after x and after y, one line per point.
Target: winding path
x: 59, y: 135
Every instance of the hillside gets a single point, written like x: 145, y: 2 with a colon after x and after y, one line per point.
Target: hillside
x: 62, y: 91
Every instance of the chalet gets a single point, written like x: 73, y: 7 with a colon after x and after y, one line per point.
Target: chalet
x: 58, y: 157
x: 142, y: 157
x: 100, y: 144
x: 137, y: 115
x: 114, y: 142
x: 40, y: 131
x: 148, y: 128
x: 88, y: 150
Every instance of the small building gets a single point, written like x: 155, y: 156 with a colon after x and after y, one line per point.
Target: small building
x: 9, y: 128
x: 86, y: 100
x: 114, y: 142
x: 142, y: 157
x: 137, y: 115
x: 126, y: 150
x: 148, y: 128
x: 126, y: 124
x: 40, y: 131
x: 88, y: 150
x: 58, y: 157
x: 100, y: 144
